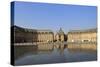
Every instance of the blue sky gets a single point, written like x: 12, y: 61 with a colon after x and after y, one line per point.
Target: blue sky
x: 53, y: 16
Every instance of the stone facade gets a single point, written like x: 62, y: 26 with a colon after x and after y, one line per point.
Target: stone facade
x: 24, y: 35
x: 45, y: 36
x: 89, y: 35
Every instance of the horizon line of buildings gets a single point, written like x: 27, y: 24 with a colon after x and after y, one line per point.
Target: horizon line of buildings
x: 24, y: 35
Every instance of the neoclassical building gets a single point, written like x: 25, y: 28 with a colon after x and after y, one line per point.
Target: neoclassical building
x: 23, y: 35
x: 60, y: 35
x: 89, y: 35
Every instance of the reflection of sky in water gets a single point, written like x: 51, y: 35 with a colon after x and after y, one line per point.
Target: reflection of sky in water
x: 54, y: 56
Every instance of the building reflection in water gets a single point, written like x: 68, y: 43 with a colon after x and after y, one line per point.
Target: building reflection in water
x: 83, y: 46
x: 51, y: 53
x: 23, y: 50
x: 20, y: 51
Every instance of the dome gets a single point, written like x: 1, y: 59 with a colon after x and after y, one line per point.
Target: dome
x: 60, y: 31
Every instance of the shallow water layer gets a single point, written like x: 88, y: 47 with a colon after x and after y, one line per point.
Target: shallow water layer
x: 28, y: 55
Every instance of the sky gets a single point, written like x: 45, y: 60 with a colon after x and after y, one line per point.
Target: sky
x: 54, y: 16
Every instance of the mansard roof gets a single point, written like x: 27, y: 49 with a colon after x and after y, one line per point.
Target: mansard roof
x: 30, y: 30
x: 17, y: 28
x: 83, y: 31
